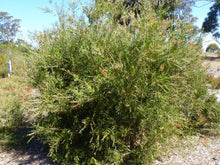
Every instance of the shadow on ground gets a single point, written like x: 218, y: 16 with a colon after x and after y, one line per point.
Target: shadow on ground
x: 20, y: 152
x: 212, y: 58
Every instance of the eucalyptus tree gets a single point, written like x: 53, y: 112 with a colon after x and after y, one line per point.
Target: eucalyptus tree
x: 8, y: 27
x: 167, y: 9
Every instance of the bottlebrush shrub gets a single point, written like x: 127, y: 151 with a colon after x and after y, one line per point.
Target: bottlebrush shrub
x: 111, y: 94
x: 3, y: 67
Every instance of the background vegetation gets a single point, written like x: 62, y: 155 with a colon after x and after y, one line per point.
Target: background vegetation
x: 3, y: 66
x: 14, y: 92
x: 211, y: 22
x: 9, y: 27
x: 213, y: 48
x: 17, y: 55
x: 15, y: 110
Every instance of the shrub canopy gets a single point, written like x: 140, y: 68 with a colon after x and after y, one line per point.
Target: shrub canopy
x: 112, y: 93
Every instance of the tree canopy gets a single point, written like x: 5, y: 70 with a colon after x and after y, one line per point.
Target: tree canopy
x: 211, y: 23
x: 8, y: 27
x: 174, y: 8
x: 123, y: 9
x: 212, y: 48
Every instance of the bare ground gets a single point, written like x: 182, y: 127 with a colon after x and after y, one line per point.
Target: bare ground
x: 30, y: 154
x: 193, y: 150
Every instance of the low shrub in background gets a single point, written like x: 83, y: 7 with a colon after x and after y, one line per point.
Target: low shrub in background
x: 15, y: 109
x: 12, y: 114
x: 3, y: 67
x: 111, y: 94
x: 214, y: 82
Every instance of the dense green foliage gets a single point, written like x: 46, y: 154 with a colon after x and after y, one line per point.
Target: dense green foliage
x: 3, y: 66
x: 111, y: 94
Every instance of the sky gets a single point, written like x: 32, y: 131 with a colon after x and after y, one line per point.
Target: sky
x: 34, y: 19
x: 200, y: 11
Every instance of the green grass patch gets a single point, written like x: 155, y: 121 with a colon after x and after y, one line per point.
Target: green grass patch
x: 17, y: 56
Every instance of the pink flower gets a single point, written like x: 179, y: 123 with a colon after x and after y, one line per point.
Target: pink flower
x: 104, y: 72
x: 176, y: 125
x: 75, y: 105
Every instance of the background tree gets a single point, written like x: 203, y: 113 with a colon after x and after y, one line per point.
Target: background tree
x: 168, y: 9
x: 8, y: 27
x: 168, y: 5
x: 213, y: 48
x: 211, y: 23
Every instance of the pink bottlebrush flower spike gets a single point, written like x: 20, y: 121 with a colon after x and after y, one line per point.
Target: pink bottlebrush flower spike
x: 104, y: 72
x: 75, y: 105
x: 176, y: 125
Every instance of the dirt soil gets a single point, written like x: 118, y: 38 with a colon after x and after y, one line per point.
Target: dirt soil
x: 195, y: 150
x: 212, y: 63
x: 31, y: 154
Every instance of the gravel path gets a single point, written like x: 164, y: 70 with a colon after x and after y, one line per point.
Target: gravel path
x: 31, y: 154
x: 194, y: 151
